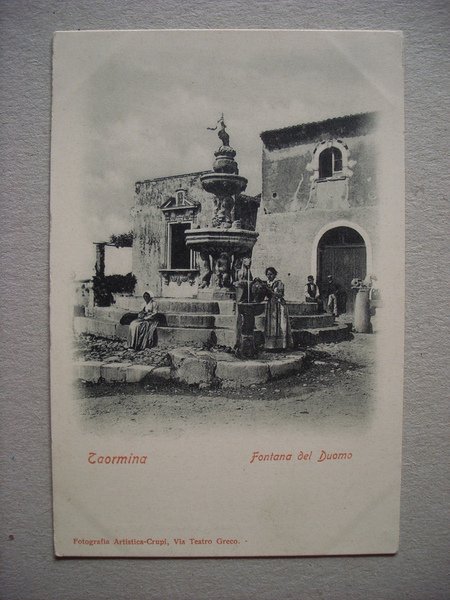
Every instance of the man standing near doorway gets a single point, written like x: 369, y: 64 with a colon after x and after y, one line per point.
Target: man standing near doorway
x: 331, y: 295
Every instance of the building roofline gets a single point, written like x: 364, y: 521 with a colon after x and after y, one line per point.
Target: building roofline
x: 171, y: 177
x: 343, y: 126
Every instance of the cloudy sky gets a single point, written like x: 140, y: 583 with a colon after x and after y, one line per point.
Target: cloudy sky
x: 135, y: 105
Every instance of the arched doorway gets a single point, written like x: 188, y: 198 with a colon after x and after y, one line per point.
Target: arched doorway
x: 341, y: 252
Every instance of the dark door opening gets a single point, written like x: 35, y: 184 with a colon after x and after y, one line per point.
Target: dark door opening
x: 180, y: 254
x: 341, y: 253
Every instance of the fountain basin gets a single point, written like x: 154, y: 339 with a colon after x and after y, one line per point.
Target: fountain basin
x: 214, y: 241
x: 221, y: 184
x: 251, y: 308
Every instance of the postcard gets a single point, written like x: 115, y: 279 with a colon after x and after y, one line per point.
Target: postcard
x: 227, y: 292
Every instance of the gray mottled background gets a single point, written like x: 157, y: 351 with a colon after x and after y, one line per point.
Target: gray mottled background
x: 29, y: 570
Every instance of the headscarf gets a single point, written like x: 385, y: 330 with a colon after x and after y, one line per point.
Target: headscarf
x: 150, y: 293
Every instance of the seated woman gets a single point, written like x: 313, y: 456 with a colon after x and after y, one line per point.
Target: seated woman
x: 141, y: 333
x: 277, y: 330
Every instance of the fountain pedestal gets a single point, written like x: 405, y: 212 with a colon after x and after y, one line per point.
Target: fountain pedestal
x: 245, y: 338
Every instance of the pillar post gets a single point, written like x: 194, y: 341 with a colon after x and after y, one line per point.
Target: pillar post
x: 100, y: 258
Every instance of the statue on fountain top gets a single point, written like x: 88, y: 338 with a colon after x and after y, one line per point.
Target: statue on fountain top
x: 224, y: 161
x: 223, y: 135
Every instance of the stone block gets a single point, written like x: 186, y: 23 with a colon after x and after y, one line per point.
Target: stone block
x: 105, y: 329
x: 311, y: 321
x: 116, y: 372
x: 225, y: 337
x: 137, y: 373
x: 195, y: 370
x: 338, y: 333
x: 88, y: 370
x: 226, y: 307
x: 179, y: 355
x: 205, y: 354
x: 309, y: 337
x: 228, y: 357
x: 304, y: 337
x: 244, y: 372
x: 162, y: 373
x: 185, y: 335
x: 173, y: 305
x: 192, y: 367
x: 302, y: 308
x: 217, y: 295
x: 122, y: 331
x: 286, y: 366
x: 200, y: 320
x: 225, y: 321
x: 128, y: 303
x: 108, y: 313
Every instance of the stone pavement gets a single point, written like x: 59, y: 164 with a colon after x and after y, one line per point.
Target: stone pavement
x: 335, y: 389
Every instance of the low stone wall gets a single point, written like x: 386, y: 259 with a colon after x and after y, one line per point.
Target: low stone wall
x: 196, y: 367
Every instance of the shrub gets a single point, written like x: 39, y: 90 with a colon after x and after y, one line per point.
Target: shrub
x: 105, y: 287
x: 121, y: 284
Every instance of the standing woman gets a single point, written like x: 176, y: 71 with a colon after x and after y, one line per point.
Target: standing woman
x: 277, y: 330
x: 141, y: 333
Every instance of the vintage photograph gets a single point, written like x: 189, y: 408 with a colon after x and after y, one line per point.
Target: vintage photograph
x: 227, y: 292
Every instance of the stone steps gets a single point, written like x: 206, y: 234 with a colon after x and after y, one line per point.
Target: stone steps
x: 214, y: 320
x: 229, y: 321
x: 199, y: 320
x: 99, y: 327
x: 210, y: 323
x: 192, y: 305
x: 177, y: 319
x: 166, y: 335
x: 311, y: 321
x: 301, y: 308
x: 107, y: 313
x: 208, y: 335
x: 310, y: 337
x: 176, y: 305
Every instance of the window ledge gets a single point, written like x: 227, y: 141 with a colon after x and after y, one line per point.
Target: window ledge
x: 179, y: 276
x: 334, y: 178
x: 179, y: 207
x: 179, y: 270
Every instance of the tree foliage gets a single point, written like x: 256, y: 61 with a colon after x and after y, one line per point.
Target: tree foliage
x: 122, y: 240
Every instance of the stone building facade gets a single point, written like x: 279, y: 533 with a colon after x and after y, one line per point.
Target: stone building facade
x: 164, y: 209
x: 319, y: 208
x: 318, y: 212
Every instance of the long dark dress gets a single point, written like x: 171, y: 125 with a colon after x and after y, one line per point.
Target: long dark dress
x: 141, y: 333
x: 277, y: 331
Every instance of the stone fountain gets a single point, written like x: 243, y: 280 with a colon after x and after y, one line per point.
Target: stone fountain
x: 222, y: 246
